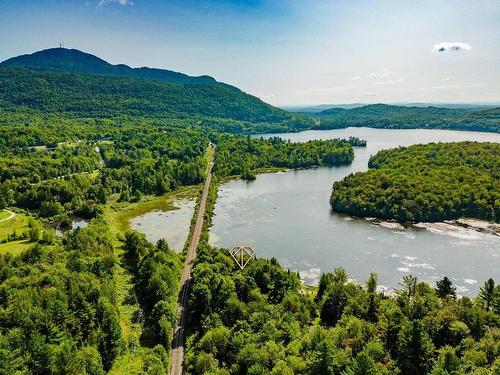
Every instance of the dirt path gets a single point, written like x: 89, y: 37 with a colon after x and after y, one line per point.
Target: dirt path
x: 12, y: 214
x: 177, y: 353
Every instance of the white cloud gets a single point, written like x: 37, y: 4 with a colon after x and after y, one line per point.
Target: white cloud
x: 389, y: 82
x: 447, y: 79
x: 378, y: 75
x: 451, y: 47
x: 121, y: 2
x: 383, y: 74
x: 369, y: 94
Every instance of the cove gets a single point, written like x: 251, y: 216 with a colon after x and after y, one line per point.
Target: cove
x: 287, y: 215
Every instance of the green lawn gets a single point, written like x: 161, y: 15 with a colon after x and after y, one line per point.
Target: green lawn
x: 19, y: 224
x: 14, y: 247
x: 4, y: 214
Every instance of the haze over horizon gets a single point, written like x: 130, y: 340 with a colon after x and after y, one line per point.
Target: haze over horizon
x: 286, y: 53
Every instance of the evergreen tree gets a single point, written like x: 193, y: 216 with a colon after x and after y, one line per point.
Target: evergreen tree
x: 448, y: 363
x: 363, y: 364
x: 333, y: 307
x: 415, y: 349
x: 445, y: 288
x: 325, y: 281
x: 486, y: 294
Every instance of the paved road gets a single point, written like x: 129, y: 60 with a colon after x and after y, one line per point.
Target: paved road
x: 177, y: 353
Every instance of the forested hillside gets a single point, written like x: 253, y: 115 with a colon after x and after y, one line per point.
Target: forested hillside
x: 217, y: 106
x: 75, y: 61
x: 401, y: 117
x: 431, y: 182
x: 84, y: 86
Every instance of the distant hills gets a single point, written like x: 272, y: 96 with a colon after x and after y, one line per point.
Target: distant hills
x: 322, y: 107
x: 71, y: 82
x: 75, y: 61
x: 402, y: 117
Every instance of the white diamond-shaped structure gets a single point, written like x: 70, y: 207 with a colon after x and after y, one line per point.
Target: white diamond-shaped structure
x: 242, y: 254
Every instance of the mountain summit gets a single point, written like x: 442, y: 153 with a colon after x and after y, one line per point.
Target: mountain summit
x: 75, y: 61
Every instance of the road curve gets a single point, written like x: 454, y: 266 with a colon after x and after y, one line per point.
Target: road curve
x: 177, y: 353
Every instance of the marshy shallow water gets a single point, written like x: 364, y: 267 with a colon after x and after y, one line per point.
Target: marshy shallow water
x: 172, y: 225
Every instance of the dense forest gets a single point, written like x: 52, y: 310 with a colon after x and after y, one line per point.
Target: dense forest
x: 58, y: 304
x: 243, y: 156
x: 74, y: 178
x: 433, y: 182
x: 98, y: 299
x: 401, y: 117
x: 261, y: 320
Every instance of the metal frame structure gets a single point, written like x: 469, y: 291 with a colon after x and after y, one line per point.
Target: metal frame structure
x: 242, y: 254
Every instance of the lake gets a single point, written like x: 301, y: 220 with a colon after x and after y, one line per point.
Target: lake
x: 287, y: 215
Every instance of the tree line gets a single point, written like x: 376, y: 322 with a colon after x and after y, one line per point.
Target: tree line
x: 243, y: 156
x: 405, y: 117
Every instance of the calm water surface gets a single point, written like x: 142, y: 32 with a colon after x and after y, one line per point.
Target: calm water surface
x: 171, y: 225
x: 287, y: 216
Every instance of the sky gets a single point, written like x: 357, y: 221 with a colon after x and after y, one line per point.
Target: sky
x: 286, y: 52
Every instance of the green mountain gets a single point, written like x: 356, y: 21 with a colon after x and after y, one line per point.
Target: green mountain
x: 75, y: 61
x: 74, y: 83
x: 402, y: 117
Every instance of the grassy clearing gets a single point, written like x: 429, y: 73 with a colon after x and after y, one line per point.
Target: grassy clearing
x: 130, y: 363
x: 15, y: 247
x: 18, y: 224
x: 4, y: 214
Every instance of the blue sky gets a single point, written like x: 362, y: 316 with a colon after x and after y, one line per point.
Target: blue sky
x: 288, y: 52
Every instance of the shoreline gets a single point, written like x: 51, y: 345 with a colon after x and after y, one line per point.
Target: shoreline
x: 471, y: 224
